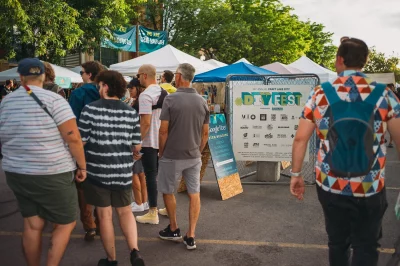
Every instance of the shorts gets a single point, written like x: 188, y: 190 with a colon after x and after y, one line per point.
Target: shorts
x: 51, y: 197
x: 170, y: 171
x: 138, y: 167
x: 104, y: 197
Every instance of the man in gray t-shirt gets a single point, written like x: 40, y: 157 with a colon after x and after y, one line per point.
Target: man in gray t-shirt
x: 183, y: 136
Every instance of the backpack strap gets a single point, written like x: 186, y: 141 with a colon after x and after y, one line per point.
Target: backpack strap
x: 160, y: 101
x: 330, y: 93
x: 376, y: 94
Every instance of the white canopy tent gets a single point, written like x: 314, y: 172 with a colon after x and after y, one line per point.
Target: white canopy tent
x: 243, y: 60
x: 166, y: 58
x: 306, y: 65
x: 60, y: 72
x: 385, y: 78
x: 282, y: 68
x: 215, y: 63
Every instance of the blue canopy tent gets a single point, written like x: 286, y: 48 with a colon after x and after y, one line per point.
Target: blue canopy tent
x: 220, y: 74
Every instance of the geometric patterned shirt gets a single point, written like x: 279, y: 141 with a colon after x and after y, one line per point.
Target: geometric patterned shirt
x: 352, y: 86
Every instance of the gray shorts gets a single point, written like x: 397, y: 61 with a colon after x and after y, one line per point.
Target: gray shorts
x: 170, y: 171
x: 138, y: 167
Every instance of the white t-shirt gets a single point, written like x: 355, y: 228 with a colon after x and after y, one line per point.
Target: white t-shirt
x: 30, y: 139
x: 147, y: 99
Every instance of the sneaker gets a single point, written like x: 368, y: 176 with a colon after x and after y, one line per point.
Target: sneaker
x: 136, y: 259
x: 137, y: 208
x: 189, y: 242
x: 90, y: 234
x: 106, y: 262
x: 167, y: 234
x: 146, y: 206
x: 149, y: 218
x: 163, y: 212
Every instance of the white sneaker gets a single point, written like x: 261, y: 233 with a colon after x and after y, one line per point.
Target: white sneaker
x: 146, y: 206
x: 163, y: 212
x: 137, y: 208
x: 149, y: 218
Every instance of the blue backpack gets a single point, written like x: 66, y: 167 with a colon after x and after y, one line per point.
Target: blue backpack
x: 351, y: 133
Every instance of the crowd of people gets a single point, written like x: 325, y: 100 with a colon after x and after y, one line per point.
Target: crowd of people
x: 114, y: 145
x: 97, y: 151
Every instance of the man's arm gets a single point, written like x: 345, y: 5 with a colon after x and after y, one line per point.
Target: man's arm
x: 303, y: 135
x: 70, y: 133
x: 394, y: 131
x: 204, y: 137
x: 163, y: 136
x: 145, y: 123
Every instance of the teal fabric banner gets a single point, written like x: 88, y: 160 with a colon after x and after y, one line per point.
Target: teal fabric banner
x: 125, y: 41
x: 64, y: 83
x: 151, y: 40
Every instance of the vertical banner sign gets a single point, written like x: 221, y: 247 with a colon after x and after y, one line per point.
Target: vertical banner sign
x: 223, y: 158
x: 151, y: 40
x: 125, y: 41
x: 265, y: 120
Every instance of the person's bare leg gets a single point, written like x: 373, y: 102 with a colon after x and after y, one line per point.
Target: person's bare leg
x: 137, y: 189
x: 142, y: 178
x: 170, y: 204
x: 128, y: 225
x: 32, y: 240
x: 58, y: 242
x: 194, y: 212
x: 107, y: 231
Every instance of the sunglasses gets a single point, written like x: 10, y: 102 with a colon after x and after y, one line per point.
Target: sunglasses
x: 138, y: 74
x: 82, y: 72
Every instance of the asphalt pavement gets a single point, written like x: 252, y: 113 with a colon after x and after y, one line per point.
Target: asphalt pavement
x: 262, y: 226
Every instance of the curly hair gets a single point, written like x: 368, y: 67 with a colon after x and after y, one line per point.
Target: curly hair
x: 115, y: 81
x: 49, y: 72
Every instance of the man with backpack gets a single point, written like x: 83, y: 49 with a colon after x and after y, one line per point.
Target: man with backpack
x: 150, y: 104
x: 351, y: 116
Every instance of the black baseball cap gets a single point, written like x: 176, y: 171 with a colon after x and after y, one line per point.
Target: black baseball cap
x: 30, y: 67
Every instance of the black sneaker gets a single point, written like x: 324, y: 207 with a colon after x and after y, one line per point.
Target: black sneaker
x: 167, y: 234
x: 89, y: 236
x: 136, y: 259
x: 189, y: 242
x: 106, y: 262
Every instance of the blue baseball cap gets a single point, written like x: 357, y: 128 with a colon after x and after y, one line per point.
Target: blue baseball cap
x: 30, y: 67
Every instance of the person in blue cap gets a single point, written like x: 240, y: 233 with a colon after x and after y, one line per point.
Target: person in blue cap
x: 35, y: 125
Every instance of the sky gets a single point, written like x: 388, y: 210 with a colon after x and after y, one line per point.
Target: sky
x: 377, y: 22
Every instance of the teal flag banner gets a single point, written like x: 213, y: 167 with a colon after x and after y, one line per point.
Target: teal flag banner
x: 151, y: 40
x: 64, y: 83
x: 125, y: 41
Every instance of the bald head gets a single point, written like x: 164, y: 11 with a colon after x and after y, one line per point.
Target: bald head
x: 148, y: 69
x: 147, y: 75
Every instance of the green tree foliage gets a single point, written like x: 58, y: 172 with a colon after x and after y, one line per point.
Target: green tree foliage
x: 379, y: 63
x: 261, y: 31
x: 50, y: 28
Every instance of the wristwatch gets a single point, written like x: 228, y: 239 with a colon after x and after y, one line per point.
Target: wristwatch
x: 295, y: 174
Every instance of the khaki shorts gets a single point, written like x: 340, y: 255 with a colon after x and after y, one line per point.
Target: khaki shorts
x: 170, y: 171
x: 103, y: 197
x: 51, y: 197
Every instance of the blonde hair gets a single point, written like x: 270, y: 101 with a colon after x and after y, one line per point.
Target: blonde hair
x: 26, y: 79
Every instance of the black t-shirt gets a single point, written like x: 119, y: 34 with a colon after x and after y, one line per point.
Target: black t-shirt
x: 4, y: 92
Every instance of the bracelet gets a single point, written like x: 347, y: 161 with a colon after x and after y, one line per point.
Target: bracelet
x: 81, y: 169
x: 295, y: 174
